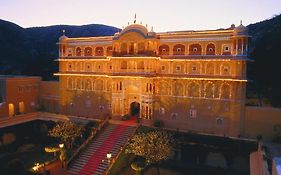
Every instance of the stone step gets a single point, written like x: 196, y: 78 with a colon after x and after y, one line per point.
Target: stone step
x: 103, y: 140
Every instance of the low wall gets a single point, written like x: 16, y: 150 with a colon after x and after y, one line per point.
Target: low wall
x: 260, y: 121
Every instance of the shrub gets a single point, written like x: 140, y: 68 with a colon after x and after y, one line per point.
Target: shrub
x: 158, y: 123
x: 8, y: 138
x: 15, y: 166
x: 91, y: 124
x: 126, y: 117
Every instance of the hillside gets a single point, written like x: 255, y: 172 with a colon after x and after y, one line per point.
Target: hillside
x: 265, y: 50
x: 31, y: 51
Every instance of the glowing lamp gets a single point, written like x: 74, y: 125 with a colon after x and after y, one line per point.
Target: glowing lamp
x: 108, y: 155
x: 61, y: 145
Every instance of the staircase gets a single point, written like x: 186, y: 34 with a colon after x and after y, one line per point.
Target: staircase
x: 92, y: 161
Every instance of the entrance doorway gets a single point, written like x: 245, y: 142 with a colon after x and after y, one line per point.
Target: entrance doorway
x: 11, y: 110
x: 21, y: 107
x: 134, y: 109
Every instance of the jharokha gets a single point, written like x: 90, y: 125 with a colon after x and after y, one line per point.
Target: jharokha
x: 190, y: 80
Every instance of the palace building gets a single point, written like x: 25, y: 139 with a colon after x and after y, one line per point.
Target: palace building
x: 190, y: 80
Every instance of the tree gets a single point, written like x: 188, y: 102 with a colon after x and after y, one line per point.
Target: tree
x: 154, y: 146
x: 67, y: 132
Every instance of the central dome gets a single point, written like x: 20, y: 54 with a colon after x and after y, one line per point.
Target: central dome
x: 135, y: 28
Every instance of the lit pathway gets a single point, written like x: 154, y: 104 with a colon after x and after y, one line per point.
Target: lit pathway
x: 112, y: 138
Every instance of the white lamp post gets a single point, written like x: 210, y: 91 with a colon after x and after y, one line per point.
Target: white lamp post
x: 61, y: 145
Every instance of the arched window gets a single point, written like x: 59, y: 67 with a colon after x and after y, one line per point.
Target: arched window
x: 78, y: 83
x: 109, y: 86
x: 225, y: 91
x: 210, y: 49
x: 63, y: 50
x: 78, y: 51
x: 78, y: 67
x: 195, y: 49
x: 99, y: 85
x: 88, y: 85
x: 164, y: 88
x: 88, y: 51
x: 210, y: 69
x: 109, y: 51
x: 240, y: 44
x: 124, y: 65
x: 164, y: 49
x: 209, y: 90
x: 178, y: 89
x: 140, y: 65
x: 123, y: 49
x: 141, y: 48
x: 70, y: 83
x: 179, y: 49
x: 131, y: 48
x: 99, y: 51
x: 193, y: 90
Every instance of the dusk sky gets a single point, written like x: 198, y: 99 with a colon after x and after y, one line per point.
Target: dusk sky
x: 161, y: 14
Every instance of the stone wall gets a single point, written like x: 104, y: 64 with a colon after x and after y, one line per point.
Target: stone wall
x: 260, y: 121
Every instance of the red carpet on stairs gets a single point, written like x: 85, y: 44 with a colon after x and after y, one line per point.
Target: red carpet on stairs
x: 100, y: 154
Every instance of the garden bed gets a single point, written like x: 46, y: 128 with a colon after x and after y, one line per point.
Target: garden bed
x: 25, y: 144
x: 198, y: 154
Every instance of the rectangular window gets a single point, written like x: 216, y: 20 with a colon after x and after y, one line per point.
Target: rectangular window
x: 163, y: 68
x: 193, y: 113
x: 20, y: 89
x: 178, y: 68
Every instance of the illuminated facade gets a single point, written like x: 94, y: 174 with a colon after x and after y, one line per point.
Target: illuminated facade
x: 191, y: 80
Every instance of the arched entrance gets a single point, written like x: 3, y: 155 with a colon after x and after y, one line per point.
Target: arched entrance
x: 134, y: 109
x: 21, y: 107
x: 11, y: 110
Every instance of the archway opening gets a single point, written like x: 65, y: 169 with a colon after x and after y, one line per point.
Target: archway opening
x: 11, y: 110
x: 134, y: 109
